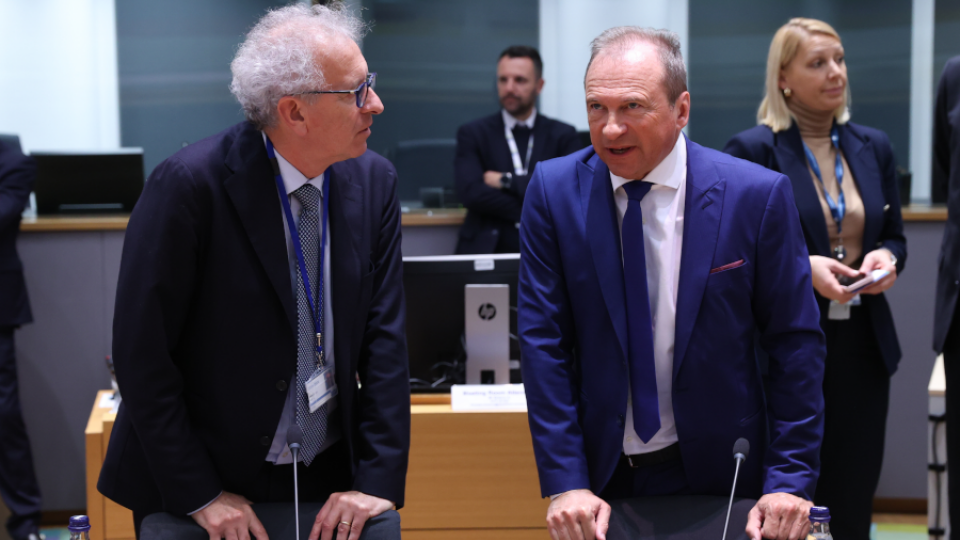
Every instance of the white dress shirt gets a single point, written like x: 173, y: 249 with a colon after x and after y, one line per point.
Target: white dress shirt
x: 662, y: 242
x: 293, y: 179
x: 512, y: 122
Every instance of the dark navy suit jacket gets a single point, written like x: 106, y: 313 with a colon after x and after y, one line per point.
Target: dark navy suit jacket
x: 17, y: 173
x: 946, y: 171
x: 870, y: 158
x: 573, y: 328
x: 204, y: 335
x: 482, y: 146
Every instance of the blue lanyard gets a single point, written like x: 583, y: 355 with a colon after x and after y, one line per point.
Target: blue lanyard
x: 837, y: 209
x: 315, y: 311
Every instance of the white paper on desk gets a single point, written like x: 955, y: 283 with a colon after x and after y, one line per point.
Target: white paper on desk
x: 106, y: 401
x: 488, y: 397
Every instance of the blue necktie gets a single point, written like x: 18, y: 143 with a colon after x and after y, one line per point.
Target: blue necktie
x: 643, y: 371
x: 313, y: 424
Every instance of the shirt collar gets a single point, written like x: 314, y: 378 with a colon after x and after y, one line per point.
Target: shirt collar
x: 512, y: 122
x: 293, y: 179
x: 668, y: 173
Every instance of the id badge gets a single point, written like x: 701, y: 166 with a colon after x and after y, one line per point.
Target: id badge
x: 321, y: 388
x: 838, y: 311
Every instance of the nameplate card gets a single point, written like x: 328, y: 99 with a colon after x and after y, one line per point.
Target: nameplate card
x: 488, y: 397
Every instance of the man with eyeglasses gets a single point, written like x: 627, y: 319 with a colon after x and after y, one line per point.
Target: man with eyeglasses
x: 496, y: 155
x: 260, y: 297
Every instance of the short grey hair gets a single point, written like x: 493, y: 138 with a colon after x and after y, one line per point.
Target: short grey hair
x: 667, y: 42
x: 278, y: 56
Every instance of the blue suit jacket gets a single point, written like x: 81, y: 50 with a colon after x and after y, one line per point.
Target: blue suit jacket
x: 946, y: 173
x: 870, y: 157
x: 573, y: 328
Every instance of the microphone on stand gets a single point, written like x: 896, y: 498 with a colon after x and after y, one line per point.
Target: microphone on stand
x: 741, y: 449
x: 294, y: 441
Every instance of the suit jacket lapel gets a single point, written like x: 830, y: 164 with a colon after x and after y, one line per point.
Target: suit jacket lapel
x: 253, y: 192
x: 346, y: 231
x: 867, y: 175
x: 788, y: 148
x: 703, y: 207
x: 603, y: 233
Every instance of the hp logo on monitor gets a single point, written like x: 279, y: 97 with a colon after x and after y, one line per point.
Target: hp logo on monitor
x: 487, y: 312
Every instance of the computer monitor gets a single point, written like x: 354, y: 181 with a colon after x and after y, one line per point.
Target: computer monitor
x: 99, y: 182
x: 434, y: 288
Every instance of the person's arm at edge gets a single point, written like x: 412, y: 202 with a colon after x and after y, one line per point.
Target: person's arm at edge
x: 891, y: 235
x: 155, y: 285
x: 796, y: 345
x: 941, y: 126
x: 473, y: 193
x: 383, y: 413
x: 17, y: 175
x: 547, y: 335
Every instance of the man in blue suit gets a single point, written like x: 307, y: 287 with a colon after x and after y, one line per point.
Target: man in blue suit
x: 650, y: 265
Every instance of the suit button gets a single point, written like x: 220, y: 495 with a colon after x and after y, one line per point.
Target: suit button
x: 879, y: 244
x: 620, y: 420
x: 281, y: 385
x: 265, y: 441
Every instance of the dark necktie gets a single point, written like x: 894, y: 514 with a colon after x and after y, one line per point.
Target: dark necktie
x: 521, y: 134
x: 643, y: 371
x: 314, y: 425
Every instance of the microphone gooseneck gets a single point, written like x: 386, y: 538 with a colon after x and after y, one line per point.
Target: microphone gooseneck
x: 741, y: 449
x: 295, y: 441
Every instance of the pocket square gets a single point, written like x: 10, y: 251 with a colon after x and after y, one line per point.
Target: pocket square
x: 731, y: 266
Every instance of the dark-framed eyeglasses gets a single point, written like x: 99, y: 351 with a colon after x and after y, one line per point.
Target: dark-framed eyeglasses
x: 361, y: 92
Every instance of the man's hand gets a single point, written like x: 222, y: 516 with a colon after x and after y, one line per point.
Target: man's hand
x: 578, y: 515
x: 879, y: 259
x: 492, y: 179
x: 346, y: 514
x: 779, y: 516
x: 230, y: 516
x: 823, y: 271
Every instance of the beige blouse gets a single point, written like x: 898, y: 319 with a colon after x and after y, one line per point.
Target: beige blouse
x: 853, y: 219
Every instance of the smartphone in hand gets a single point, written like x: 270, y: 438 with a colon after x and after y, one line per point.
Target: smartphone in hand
x: 867, y: 280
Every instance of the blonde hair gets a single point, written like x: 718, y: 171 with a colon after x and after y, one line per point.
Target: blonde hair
x: 773, y: 109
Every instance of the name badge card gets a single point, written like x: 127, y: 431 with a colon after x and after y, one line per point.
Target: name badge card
x: 321, y: 388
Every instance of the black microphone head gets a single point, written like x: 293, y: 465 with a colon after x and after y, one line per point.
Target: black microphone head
x: 742, y: 447
x: 294, y: 436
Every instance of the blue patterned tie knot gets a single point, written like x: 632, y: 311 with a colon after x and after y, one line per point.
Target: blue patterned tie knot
x: 637, y: 189
x: 309, y: 197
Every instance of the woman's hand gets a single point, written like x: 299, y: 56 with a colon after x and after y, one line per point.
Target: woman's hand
x: 823, y: 270
x: 879, y: 259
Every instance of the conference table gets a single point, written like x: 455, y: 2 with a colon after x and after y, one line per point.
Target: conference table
x: 472, y: 475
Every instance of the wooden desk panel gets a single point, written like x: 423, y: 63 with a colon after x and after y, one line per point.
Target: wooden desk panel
x: 472, y: 471
x: 108, y: 520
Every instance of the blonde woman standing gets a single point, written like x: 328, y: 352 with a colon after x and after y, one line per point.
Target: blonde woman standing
x: 844, y: 183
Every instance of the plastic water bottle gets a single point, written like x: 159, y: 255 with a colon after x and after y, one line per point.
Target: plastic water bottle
x: 819, y: 524
x: 79, y: 528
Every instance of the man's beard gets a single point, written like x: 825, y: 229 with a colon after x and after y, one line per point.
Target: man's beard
x: 521, y: 107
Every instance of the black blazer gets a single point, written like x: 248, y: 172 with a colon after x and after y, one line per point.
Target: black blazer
x: 482, y: 146
x: 870, y: 157
x: 946, y: 172
x: 17, y: 173
x: 204, y: 335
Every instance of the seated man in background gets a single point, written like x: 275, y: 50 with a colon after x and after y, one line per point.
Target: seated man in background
x: 237, y: 322
x: 18, y: 482
x: 496, y: 155
x: 648, y: 265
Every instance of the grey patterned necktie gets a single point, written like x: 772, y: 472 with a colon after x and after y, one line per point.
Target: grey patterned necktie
x: 314, y: 425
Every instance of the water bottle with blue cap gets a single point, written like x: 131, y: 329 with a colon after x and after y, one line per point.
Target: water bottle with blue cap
x: 79, y: 528
x: 819, y: 524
